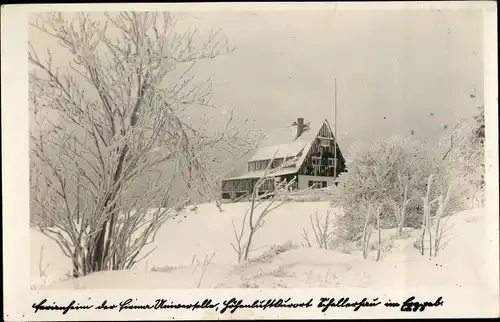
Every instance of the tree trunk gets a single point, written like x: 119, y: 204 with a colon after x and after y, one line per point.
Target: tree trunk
x: 424, y: 223
x: 78, y: 201
x: 76, y: 270
x: 102, y: 245
x: 247, y: 247
x: 366, y: 233
x: 379, y: 235
x: 250, y: 219
x: 429, y: 231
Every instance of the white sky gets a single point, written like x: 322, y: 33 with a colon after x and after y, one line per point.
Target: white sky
x: 393, y: 68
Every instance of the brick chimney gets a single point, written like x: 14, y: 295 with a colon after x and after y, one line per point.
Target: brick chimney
x: 300, y: 126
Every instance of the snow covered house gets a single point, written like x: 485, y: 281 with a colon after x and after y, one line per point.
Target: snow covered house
x: 311, y: 144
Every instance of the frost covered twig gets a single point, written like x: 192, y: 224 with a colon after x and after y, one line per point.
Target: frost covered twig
x: 428, y: 220
x: 271, y: 199
x: 322, y: 230
x: 206, y: 262
x: 110, y: 139
x: 42, y: 270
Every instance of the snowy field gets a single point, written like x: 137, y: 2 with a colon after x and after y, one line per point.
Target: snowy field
x: 186, y: 242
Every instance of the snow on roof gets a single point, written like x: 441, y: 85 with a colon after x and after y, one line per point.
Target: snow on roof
x: 284, y: 142
x: 288, y: 134
x: 279, y: 151
x: 280, y: 172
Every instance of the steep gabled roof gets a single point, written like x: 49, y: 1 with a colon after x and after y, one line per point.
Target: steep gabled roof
x: 280, y: 172
x: 336, y: 141
x: 283, y: 143
x: 279, y: 151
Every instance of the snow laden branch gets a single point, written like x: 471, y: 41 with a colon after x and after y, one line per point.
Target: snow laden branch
x: 322, y: 229
x: 262, y: 203
x: 372, y: 212
x: 111, y: 136
x: 393, y: 173
x: 429, y: 222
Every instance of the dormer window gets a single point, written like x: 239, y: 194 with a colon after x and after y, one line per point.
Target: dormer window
x: 277, y: 163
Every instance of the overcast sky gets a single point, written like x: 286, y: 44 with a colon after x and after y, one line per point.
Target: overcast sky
x: 393, y: 68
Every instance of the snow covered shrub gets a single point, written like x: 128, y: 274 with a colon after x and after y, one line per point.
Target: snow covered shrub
x: 462, y: 147
x: 164, y: 269
x: 274, y: 251
x: 471, y: 157
x: 101, y: 158
x: 391, y: 174
x: 310, y: 195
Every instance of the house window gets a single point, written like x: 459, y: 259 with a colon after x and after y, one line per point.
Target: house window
x: 317, y: 184
x: 269, y: 184
x: 257, y: 165
x: 263, y: 164
x: 240, y: 186
x: 227, y: 186
x: 251, y: 166
x: 277, y: 163
x: 266, y: 185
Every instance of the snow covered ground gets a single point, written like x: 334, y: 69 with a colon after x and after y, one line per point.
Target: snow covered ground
x: 200, y: 232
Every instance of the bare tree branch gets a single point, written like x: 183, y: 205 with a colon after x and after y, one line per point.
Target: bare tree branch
x: 110, y: 139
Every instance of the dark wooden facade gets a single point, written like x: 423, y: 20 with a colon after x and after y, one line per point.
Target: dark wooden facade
x: 320, y: 160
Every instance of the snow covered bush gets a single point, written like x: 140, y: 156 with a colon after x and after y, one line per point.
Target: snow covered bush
x: 391, y: 175
x: 469, y: 158
x: 110, y: 140
x: 462, y: 147
x: 394, y: 173
x: 433, y: 225
x: 274, y: 251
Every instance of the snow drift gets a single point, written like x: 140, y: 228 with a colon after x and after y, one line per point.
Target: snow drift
x: 197, y: 233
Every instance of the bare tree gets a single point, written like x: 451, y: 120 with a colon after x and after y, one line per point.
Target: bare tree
x: 321, y: 229
x: 372, y: 213
x: 441, y: 228
x: 428, y: 220
x: 270, y: 199
x: 41, y: 269
x: 111, y: 137
x: 400, y: 209
x: 379, y: 233
x: 367, y: 229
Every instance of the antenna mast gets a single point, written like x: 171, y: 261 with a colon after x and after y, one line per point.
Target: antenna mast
x: 335, y: 134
